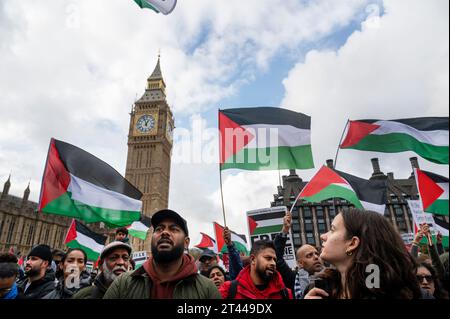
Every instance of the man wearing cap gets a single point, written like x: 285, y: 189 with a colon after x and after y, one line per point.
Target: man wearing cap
x: 169, y: 273
x: 39, y: 278
x: 207, y: 259
x: 114, y: 261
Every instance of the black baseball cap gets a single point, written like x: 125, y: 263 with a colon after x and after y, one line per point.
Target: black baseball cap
x: 161, y: 215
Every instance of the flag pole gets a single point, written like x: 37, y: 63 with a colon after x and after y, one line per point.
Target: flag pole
x: 335, y: 160
x: 339, y: 146
x: 220, y: 170
x: 279, y: 178
x: 221, y: 195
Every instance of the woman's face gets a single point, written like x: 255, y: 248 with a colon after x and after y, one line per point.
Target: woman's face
x: 217, y: 277
x: 334, y: 244
x: 425, y: 279
x: 75, y: 259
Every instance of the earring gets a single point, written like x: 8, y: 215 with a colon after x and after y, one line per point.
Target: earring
x: 349, y: 253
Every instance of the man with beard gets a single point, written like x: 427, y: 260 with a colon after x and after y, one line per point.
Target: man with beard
x: 39, y: 279
x: 260, y: 279
x: 308, y: 262
x: 114, y: 261
x: 169, y: 273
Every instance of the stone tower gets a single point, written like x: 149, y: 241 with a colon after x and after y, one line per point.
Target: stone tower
x: 149, y: 149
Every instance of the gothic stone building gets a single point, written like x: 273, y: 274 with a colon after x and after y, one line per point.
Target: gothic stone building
x: 310, y: 220
x: 21, y: 226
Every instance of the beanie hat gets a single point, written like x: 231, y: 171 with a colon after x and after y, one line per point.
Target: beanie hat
x: 42, y: 251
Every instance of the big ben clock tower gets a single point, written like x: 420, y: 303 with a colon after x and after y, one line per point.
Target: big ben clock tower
x: 149, y: 149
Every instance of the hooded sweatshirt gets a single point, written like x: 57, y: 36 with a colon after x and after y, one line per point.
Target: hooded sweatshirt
x: 246, y: 289
x: 164, y: 289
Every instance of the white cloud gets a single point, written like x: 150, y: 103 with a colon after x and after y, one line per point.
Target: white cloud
x: 395, y: 67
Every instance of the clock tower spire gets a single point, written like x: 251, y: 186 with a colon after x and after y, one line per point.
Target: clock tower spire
x: 150, y: 148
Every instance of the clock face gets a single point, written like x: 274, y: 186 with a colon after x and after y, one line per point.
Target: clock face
x: 145, y: 123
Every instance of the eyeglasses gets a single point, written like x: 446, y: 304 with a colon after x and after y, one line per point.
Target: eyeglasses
x: 428, y: 278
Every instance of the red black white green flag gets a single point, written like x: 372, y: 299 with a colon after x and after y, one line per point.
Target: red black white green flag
x: 239, y: 240
x: 80, y: 236
x: 264, y: 138
x: 363, y: 194
x: 433, y: 190
x: 207, y: 242
x: 140, y: 227
x: 426, y: 136
x: 79, y: 185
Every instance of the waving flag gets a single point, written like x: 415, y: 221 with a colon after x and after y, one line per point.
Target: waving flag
x: 433, y: 190
x: 163, y: 6
x: 80, y: 236
x: 426, y: 136
x: 207, y: 242
x: 363, y: 194
x: 264, y: 138
x: 240, y: 241
x: 140, y: 227
x: 79, y: 185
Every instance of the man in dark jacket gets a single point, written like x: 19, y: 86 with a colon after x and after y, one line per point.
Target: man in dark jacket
x: 39, y: 279
x: 308, y: 262
x: 259, y: 280
x: 114, y: 261
x: 169, y: 273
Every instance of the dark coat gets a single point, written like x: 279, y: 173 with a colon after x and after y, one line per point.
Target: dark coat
x: 96, y: 291
x: 138, y: 285
x: 39, y: 288
x: 62, y: 292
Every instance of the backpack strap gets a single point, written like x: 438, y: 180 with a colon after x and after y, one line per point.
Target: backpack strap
x: 233, y: 289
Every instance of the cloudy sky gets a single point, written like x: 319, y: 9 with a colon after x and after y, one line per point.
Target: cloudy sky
x: 71, y: 69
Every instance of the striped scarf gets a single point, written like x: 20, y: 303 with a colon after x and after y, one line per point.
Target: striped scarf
x: 301, y: 283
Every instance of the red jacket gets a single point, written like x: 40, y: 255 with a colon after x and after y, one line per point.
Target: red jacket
x: 246, y: 288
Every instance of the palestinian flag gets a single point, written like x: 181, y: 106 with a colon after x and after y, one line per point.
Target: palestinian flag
x: 252, y: 224
x: 140, y: 227
x: 79, y: 185
x: 433, y: 190
x: 372, y: 194
x: 264, y: 138
x: 426, y: 136
x: 207, y: 242
x: 240, y: 241
x: 364, y: 194
x: 79, y: 236
x: 268, y: 223
x: 163, y: 6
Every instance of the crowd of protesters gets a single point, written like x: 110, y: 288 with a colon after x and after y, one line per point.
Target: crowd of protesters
x: 362, y: 257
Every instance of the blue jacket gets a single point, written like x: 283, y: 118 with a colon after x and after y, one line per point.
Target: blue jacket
x: 235, y: 265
